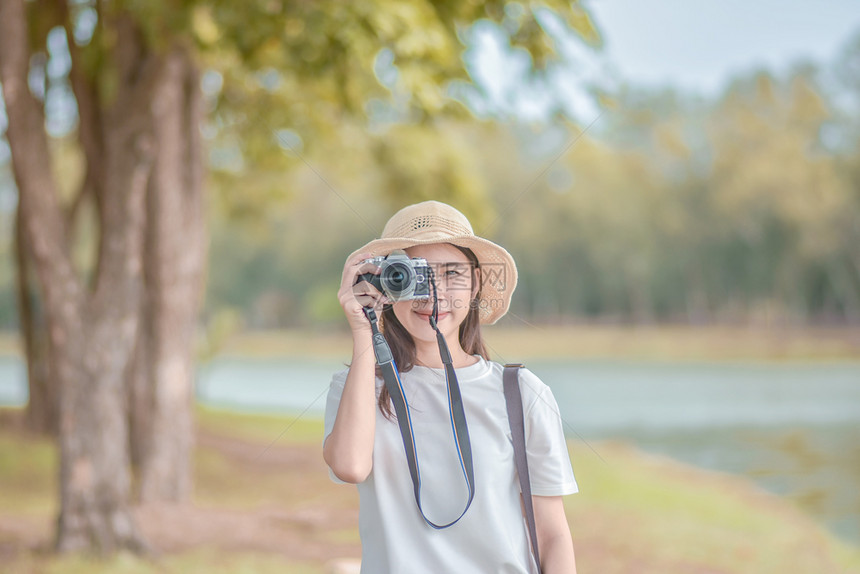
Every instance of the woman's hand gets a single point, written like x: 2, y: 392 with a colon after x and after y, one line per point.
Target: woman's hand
x: 348, y: 450
x: 354, y: 297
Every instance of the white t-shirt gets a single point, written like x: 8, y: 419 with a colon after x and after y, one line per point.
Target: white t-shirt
x: 492, y: 536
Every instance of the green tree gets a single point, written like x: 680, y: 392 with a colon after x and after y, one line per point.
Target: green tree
x: 135, y: 75
x: 781, y: 193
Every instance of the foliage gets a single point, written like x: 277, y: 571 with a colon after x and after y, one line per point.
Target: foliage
x: 736, y: 209
x: 324, y: 118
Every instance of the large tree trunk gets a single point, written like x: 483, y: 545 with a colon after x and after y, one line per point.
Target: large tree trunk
x: 139, y: 372
x: 94, y: 474
x: 91, y: 333
x: 174, y: 263
x: 41, y: 415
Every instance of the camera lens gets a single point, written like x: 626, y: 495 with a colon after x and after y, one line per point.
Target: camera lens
x: 398, y: 280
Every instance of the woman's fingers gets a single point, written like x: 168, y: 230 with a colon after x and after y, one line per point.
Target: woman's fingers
x: 357, y: 266
x: 361, y: 294
x: 366, y: 299
x: 349, y: 268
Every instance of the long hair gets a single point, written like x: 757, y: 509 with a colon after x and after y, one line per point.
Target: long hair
x: 403, y: 345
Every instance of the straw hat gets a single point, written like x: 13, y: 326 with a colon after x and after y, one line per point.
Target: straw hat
x: 435, y: 222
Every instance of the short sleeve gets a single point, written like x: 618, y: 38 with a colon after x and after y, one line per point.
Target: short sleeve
x: 335, y: 391
x: 332, y: 402
x: 550, y: 471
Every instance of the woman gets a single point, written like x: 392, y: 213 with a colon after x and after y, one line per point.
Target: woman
x: 475, y: 279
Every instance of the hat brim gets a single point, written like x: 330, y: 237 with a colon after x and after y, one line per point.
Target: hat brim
x: 498, y: 270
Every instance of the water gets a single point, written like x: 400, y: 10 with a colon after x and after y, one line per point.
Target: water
x: 793, y: 428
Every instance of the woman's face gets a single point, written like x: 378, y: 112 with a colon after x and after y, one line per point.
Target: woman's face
x: 456, y: 286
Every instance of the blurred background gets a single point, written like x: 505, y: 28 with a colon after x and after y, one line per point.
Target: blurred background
x: 180, y: 185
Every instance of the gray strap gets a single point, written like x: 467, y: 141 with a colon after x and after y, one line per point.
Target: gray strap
x: 514, y: 402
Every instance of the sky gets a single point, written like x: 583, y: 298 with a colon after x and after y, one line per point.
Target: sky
x: 695, y: 46
x: 698, y: 45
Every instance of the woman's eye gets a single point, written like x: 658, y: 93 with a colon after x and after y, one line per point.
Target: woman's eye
x: 453, y: 272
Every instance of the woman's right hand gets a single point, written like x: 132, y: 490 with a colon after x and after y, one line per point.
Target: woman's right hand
x: 353, y: 297
x: 348, y: 450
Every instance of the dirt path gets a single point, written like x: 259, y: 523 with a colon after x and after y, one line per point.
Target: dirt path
x: 306, y: 531
x: 300, y: 532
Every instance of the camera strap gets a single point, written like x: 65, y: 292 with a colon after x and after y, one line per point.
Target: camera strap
x: 391, y: 376
x: 514, y: 405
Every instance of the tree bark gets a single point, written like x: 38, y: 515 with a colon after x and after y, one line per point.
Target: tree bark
x: 698, y: 308
x: 639, y: 297
x: 839, y: 275
x: 139, y: 371
x: 41, y: 415
x: 91, y: 333
x: 174, y: 265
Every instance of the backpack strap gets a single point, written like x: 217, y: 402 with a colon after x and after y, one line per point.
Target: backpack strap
x: 514, y: 403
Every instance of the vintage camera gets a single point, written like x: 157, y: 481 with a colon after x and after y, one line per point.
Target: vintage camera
x: 400, y: 278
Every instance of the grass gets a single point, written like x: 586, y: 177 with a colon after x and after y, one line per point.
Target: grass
x: 208, y: 560
x: 517, y: 340
x: 635, y: 513
x: 262, y: 428
x: 660, y: 342
x: 27, y: 475
x: 679, y: 519
x: 261, y: 487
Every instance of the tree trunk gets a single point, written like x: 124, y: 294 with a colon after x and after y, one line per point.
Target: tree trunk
x: 639, y: 297
x: 139, y: 372
x: 839, y: 276
x: 94, y: 475
x: 92, y: 356
x: 91, y: 333
x: 698, y: 308
x: 174, y: 265
x: 41, y: 415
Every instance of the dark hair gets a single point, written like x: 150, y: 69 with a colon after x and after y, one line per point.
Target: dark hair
x: 403, y: 346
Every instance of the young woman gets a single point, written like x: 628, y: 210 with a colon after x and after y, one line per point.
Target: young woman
x: 475, y: 279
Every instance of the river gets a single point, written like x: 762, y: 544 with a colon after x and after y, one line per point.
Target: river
x: 793, y: 428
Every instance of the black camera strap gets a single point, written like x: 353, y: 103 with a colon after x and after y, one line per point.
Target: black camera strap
x: 391, y: 376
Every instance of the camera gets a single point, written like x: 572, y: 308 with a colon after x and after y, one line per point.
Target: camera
x: 400, y: 278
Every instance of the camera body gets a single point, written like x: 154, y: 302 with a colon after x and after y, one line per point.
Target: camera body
x: 400, y: 278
